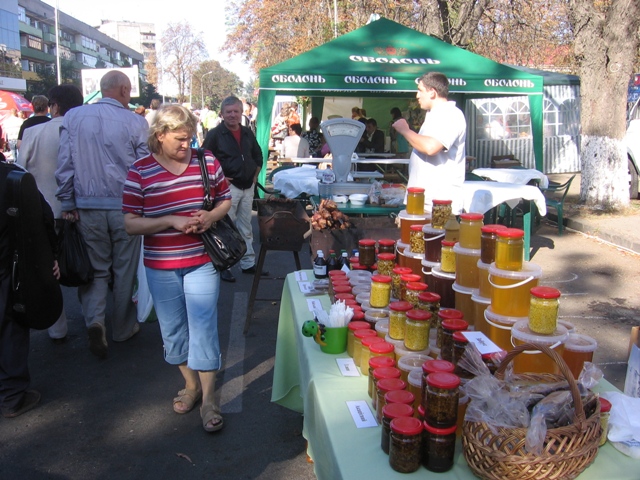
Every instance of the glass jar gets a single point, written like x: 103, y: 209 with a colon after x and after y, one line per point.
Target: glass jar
x: 377, y: 362
x: 382, y: 328
x: 352, y: 326
x: 367, y: 250
x: 433, y: 366
x: 429, y: 302
x: 382, y: 387
x: 415, y: 201
x: 441, y: 409
x: 386, y: 245
x: 460, y: 343
x: 452, y: 229
x: 396, y: 273
x: 510, y: 249
x: 543, y: 310
x: 413, y: 290
x: 404, y: 279
x: 381, y: 349
x: 578, y: 349
x: 605, y: 411
x: 365, y: 353
x: 440, y: 213
x: 381, y: 373
x: 405, y: 444
x: 389, y: 412
x: 432, y: 243
x: 470, y: 230
x: 416, y: 336
x: 445, y: 314
x: 397, y: 319
x: 488, y: 237
x: 380, y: 291
x: 386, y: 263
x: 399, y: 396
x: 449, y: 327
x: 414, y: 381
x: 358, y: 335
x: 411, y: 361
x: 416, y: 241
x: 447, y: 257
x: 438, y: 447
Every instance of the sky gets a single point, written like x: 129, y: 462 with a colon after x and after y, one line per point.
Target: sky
x: 205, y: 17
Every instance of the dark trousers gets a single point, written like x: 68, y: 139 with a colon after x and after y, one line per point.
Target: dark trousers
x: 14, y: 352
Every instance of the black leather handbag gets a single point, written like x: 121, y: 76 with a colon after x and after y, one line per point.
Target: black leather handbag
x: 223, y: 242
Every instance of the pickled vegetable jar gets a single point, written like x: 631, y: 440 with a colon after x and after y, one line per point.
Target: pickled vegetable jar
x: 412, y: 291
x: 441, y: 409
x: 415, y: 201
x: 380, y: 291
x: 470, y: 230
x: 416, y: 241
x: 386, y: 263
x: 429, y: 302
x: 447, y: 257
x: 378, y: 362
x: 397, y: 319
x: 510, y: 249
x: 389, y: 412
x: 438, y: 447
x: 416, y: 336
x: 367, y: 250
x: 449, y: 327
x: 488, y: 239
x: 543, y: 310
x: 432, y: 242
x: 405, y: 444
x: 440, y: 213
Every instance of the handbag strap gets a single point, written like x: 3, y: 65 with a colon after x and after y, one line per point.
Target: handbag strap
x: 205, y: 176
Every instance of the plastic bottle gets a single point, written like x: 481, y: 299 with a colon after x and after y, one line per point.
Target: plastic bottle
x: 332, y: 263
x: 344, y: 261
x: 320, y: 266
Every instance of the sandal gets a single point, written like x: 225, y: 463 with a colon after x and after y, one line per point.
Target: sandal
x: 210, y: 413
x: 189, y: 398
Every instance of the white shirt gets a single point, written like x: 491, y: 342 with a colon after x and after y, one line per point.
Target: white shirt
x: 295, y: 146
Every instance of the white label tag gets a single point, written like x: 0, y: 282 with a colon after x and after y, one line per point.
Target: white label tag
x: 314, y: 304
x: 482, y: 342
x: 361, y: 414
x: 301, y: 276
x: 347, y: 367
x: 306, y: 287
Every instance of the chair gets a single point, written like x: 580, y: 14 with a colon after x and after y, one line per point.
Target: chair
x: 554, y: 198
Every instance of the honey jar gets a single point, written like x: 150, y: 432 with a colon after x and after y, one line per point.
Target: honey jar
x: 470, y: 230
x: 510, y: 249
x: 488, y: 239
x: 377, y: 362
x: 415, y: 201
x: 352, y: 327
x: 441, y: 409
x: 405, y: 444
x: 432, y: 238
x: 386, y: 245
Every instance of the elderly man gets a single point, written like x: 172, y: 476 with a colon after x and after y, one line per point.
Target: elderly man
x: 40, y: 110
x: 98, y: 144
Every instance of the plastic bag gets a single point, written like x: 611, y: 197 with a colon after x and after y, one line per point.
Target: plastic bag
x: 75, y: 265
x: 624, y: 423
x: 142, y: 296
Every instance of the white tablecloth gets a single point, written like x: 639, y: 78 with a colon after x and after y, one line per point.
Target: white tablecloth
x: 480, y: 197
x: 513, y: 175
x: 296, y: 181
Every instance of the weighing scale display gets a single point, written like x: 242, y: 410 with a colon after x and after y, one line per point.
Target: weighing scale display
x: 344, y: 129
x: 342, y: 135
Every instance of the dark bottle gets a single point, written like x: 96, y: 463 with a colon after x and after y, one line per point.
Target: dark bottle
x: 344, y: 261
x: 332, y: 263
x: 320, y: 266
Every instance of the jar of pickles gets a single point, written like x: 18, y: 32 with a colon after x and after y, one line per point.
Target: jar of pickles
x: 382, y: 387
x: 389, y: 412
x: 449, y: 327
x: 352, y: 326
x: 380, y: 291
x: 429, y: 302
x: 415, y: 201
x: 438, y: 447
x: 407, y: 278
x: 440, y: 212
x: 396, y: 273
x: 470, y: 230
x: 412, y: 291
x: 543, y: 310
x: 488, y: 237
x: 378, y: 362
x: 416, y: 241
x: 447, y: 257
x: 386, y: 245
x: 445, y: 314
x: 386, y: 263
x: 397, y: 319
x: 441, y: 410
x: 416, y: 336
x: 367, y: 250
x: 510, y: 249
x: 405, y: 444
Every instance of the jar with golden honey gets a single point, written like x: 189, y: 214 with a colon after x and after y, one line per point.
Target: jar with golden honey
x: 406, y: 220
x: 440, y: 213
x: 445, y: 314
x: 397, y: 319
x: 488, y: 237
x: 413, y: 290
x: 386, y: 245
x: 416, y: 241
x: 470, y: 230
x: 415, y: 201
x: 386, y: 263
x: 430, y: 302
x: 578, y: 349
x: 510, y: 249
x: 396, y: 273
x: 543, y: 310
x: 380, y: 291
x: 378, y: 362
x: 367, y: 251
x: 416, y: 335
x: 365, y: 353
x: 447, y: 257
x: 449, y: 327
x: 352, y: 326
x: 358, y: 335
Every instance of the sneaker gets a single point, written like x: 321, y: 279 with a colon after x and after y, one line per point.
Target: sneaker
x: 30, y: 399
x: 252, y: 271
x: 227, y: 276
x: 97, y: 340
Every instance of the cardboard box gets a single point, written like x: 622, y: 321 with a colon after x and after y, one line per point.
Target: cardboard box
x: 632, y: 381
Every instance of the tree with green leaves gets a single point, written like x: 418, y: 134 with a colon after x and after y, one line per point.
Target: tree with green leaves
x: 48, y: 77
x: 215, y: 82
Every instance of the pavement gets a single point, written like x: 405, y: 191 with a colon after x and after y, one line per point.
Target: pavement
x: 113, y: 418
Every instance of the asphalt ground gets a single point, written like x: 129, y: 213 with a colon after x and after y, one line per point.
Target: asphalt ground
x: 113, y: 418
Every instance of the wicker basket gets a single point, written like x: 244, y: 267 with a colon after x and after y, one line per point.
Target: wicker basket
x: 567, y: 450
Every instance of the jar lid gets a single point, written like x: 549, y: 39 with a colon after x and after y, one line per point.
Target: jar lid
x: 416, y: 286
x: 403, y: 215
x: 382, y: 326
x: 605, y: 405
x: 358, y: 325
x: 386, y: 372
x: 505, y: 321
x: 442, y: 202
x: 342, y: 288
x: 394, y: 342
x: 351, y: 302
x: 510, y: 233
x: 410, y: 277
x: 376, y: 314
x: 380, y: 347
x: 433, y: 232
x: 444, y: 380
x: 337, y: 272
x: 406, y: 426
x: 492, y: 228
x: 447, y: 243
x: 472, y: 252
x: 419, y: 315
x: 427, y: 264
x: 387, y: 384
x: 357, y: 266
x: 365, y: 332
x: 402, y: 270
x: 358, y: 315
x: 381, y: 362
x: 521, y: 331
x: 450, y: 313
x: 354, y: 260
x: 400, y: 306
x: 577, y: 342
x: 421, y: 412
x: 399, y: 396
x: 472, y: 216
x: 386, y: 242
x: 397, y: 410
x: 437, y: 272
x: 368, y: 341
x: 412, y: 361
x: 545, y: 292
x: 415, y: 190
x: 476, y: 297
x: 367, y: 242
x: 457, y: 337
x: 439, y: 431
x: 428, y: 297
x: 435, y: 366
x: 344, y: 296
x: 381, y: 279
x: 455, y: 324
x: 386, y: 256
x: 416, y: 228
x: 483, y: 266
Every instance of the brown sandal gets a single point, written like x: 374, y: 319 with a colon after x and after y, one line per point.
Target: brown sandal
x: 189, y: 398
x: 210, y: 413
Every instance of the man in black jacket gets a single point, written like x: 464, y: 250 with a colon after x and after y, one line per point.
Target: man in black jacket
x: 240, y: 156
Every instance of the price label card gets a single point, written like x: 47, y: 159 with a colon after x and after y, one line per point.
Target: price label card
x: 314, y: 304
x: 482, y: 342
x: 347, y: 367
x: 301, y: 276
x: 306, y: 287
x: 361, y: 414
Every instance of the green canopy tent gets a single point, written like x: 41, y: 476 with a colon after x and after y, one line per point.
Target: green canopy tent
x: 385, y: 59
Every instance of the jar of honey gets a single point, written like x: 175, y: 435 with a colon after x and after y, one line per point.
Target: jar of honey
x: 352, y: 327
x: 430, y: 302
x: 510, y: 249
x: 537, y: 361
x: 433, y: 366
x: 416, y: 241
x: 432, y: 242
x: 415, y: 201
x: 484, y: 286
x: 414, y: 381
x: 397, y: 319
x: 438, y: 448
x: 470, y: 230
x: 452, y: 229
x: 498, y: 328
x: 441, y: 409
x: 382, y: 328
x: 381, y: 373
x: 440, y: 213
x: 449, y: 327
x: 577, y: 350
x: 426, y: 272
x: 365, y: 353
x: 488, y: 238
x: 358, y: 335
x: 447, y: 257
x: 405, y: 444
x: 367, y: 250
x: 380, y: 291
x: 480, y: 304
x: 411, y: 361
x: 510, y: 290
x: 543, y: 310
x: 414, y: 261
x: 382, y: 387
x: 389, y: 412
x: 406, y: 220
x: 466, y: 266
x: 464, y: 303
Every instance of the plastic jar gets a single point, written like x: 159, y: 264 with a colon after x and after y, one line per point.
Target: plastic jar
x: 412, y: 361
x: 605, y: 412
x: 414, y: 262
x: 414, y: 381
x: 470, y: 230
x: 396, y: 273
x: 386, y: 263
x: 543, y: 310
x: 480, y: 304
x: 577, y: 350
x: 382, y: 387
x: 415, y: 201
x: 483, y: 279
x: 396, y: 345
x: 401, y: 247
x: 412, y: 291
x: 449, y: 327
x: 429, y: 302
x: 464, y: 303
x: 438, y: 447
x: 441, y: 409
x: 510, y: 249
x: 374, y: 315
x: 405, y: 444
x: 433, y: 366
x: 397, y: 319
x: 416, y: 335
x: 427, y: 278
x: 432, y: 242
x: 416, y: 242
x: 536, y: 361
x: 406, y: 220
x: 488, y: 239
x: 389, y: 412
x: 466, y: 266
x: 440, y: 213
x: 363, y: 297
x: 380, y: 291
x: 402, y: 351
x: 445, y: 314
x: 382, y: 328
x: 386, y: 245
x: 358, y: 335
x: 510, y: 290
x: 498, y: 328
x: 377, y: 362
x: 404, y: 279
x: 447, y: 257
x: 352, y: 326
x: 365, y: 353
x: 381, y: 373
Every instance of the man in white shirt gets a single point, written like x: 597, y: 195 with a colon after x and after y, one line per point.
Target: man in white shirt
x: 294, y: 146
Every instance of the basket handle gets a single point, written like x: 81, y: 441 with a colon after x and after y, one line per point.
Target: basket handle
x: 580, y: 418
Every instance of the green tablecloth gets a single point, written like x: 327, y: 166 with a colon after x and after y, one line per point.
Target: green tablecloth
x: 308, y: 381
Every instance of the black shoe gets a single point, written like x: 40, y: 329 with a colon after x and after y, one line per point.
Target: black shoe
x: 97, y: 340
x: 30, y: 399
x: 252, y: 271
x: 227, y: 276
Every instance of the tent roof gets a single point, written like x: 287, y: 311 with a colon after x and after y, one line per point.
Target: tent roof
x: 551, y: 78
x: 385, y: 56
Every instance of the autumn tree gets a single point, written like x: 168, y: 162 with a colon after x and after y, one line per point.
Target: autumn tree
x: 215, y: 82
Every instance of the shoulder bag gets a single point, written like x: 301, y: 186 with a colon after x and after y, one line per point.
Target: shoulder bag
x: 223, y: 242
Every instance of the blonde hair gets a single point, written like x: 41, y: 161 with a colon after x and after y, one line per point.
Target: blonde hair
x: 169, y: 119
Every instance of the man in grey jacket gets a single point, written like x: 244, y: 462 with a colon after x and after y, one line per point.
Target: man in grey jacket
x: 98, y: 143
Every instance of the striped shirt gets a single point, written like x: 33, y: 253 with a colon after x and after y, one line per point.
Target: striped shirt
x: 152, y: 191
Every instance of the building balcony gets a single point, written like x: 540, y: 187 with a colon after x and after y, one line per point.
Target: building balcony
x: 30, y: 53
x: 36, y: 32
x: 49, y: 37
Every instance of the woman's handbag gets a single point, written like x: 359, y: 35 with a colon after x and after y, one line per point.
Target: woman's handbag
x: 223, y: 242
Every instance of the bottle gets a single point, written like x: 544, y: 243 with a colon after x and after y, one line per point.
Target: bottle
x: 332, y: 263
x: 344, y: 262
x: 320, y: 266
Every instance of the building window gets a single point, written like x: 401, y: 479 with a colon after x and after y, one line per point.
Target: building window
x: 552, y: 122
x: 22, y: 14
x: 518, y: 119
x: 89, y: 43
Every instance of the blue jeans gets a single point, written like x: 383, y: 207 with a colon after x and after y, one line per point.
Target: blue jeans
x: 186, y: 302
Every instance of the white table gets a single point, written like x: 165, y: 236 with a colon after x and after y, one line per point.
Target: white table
x: 520, y: 176
x: 381, y: 160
